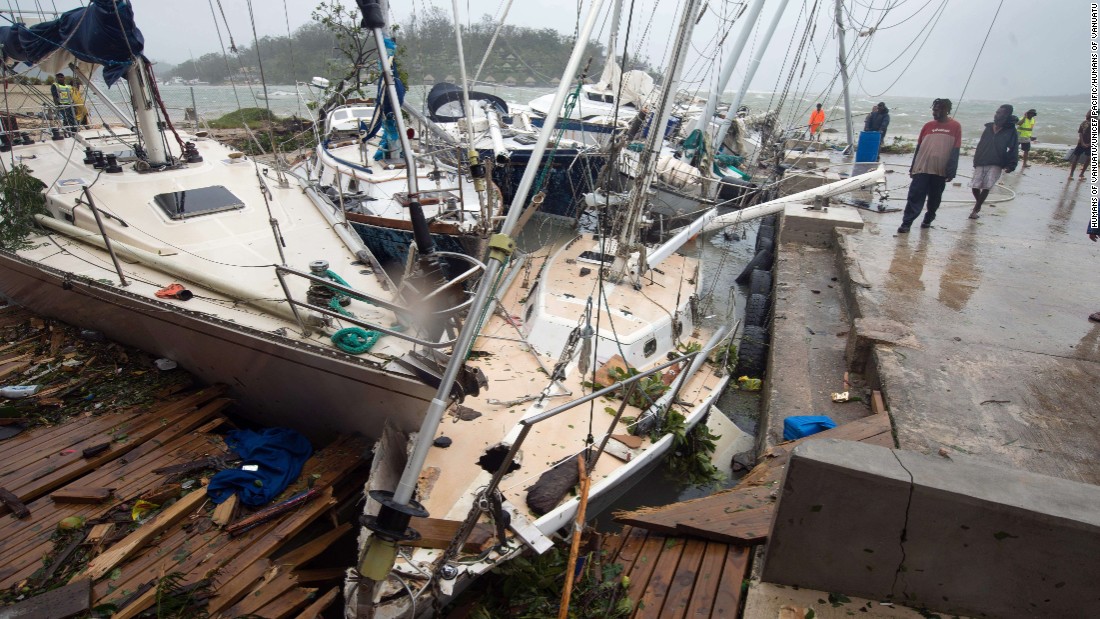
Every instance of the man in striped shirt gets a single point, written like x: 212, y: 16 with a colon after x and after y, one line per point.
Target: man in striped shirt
x: 934, y: 165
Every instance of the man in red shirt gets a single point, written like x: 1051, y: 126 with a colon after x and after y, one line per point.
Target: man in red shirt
x: 934, y: 165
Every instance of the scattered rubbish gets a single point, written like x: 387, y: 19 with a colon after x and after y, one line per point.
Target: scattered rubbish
x: 800, y: 426
x: 71, y: 523
x: 18, y: 391
x: 816, y: 291
x: 749, y: 384
x: 840, y: 397
x: 944, y: 453
x: 141, y: 508
x: 811, y: 331
x: 842, y: 334
x: 165, y: 364
x: 442, y: 441
x: 995, y: 402
x: 174, y: 291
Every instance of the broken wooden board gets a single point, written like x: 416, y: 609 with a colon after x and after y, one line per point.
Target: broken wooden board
x: 12, y: 502
x: 226, y: 511
x: 99, y: 566
x: 79, y: 494
x: 438, y: 533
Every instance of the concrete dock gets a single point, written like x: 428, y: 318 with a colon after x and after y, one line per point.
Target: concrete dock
x: 976, y: 332
x: 980, y: 331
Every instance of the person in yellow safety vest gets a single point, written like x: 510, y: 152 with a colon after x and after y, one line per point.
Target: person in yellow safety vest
x: 817, y: 118
x: 1023, y: 129
x: 80, y: 110
x: 63, y: 97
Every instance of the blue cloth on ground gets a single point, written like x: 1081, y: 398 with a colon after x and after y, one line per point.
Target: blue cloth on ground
x: 800, y: 426
x: 279, y: 454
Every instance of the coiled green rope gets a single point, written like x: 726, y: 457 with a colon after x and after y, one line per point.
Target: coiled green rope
x: 355, y: 340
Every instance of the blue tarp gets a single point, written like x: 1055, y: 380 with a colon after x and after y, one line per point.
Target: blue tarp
x: 102, y: 33
x: 278, y: 455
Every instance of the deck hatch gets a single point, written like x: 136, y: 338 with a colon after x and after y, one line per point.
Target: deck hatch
x: 194, y: 202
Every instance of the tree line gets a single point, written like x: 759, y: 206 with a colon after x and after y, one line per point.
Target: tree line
x: 426, y: 52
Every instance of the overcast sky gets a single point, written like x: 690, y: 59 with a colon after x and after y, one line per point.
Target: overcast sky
x: 1033, y: 49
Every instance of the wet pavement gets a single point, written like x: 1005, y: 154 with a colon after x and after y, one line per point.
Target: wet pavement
x: 1000, y: 360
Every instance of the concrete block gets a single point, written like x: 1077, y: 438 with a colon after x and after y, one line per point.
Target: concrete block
x: 866, y: 332
x: 816, y: 227
x: 796, y: 181
x: 952, y: 534
x: 805, y: 160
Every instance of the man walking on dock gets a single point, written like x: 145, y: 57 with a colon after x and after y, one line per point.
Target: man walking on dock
x: 996, y: 152
x: 817, y: 118
x: 934, y: 165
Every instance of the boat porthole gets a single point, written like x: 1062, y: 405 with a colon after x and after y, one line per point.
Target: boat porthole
x: 650, y: 347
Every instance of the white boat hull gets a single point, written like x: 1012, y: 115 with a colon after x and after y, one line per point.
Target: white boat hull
x: 282, y: 380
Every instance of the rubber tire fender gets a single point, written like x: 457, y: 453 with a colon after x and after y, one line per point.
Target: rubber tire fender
x: 762, y: 260
x: 752, y: 353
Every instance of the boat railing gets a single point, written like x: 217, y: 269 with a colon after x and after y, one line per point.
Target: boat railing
x: 433, y: 317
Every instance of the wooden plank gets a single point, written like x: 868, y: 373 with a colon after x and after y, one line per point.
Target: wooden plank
x: 99, y: 532
x: 631, y: 547
x: 643, y: 566
x: 706, y: 585
x: 79, y: 494
x: 12, y: 502
x: 236, y: 586
x: 656, y: 592
x: 727, y: 600
x: 309, y: 551
x: 287, y: 604
x: 226, y: 511
x: 22, y: 542
x: 61, y: 603
x: 878, y: 405
x: 107, y: 561
x: 746, y: 527
x: 271, y: 587
x: 321, y: 574
x: 314, y: 610
x: 683, y: 580
x: 438, y: 533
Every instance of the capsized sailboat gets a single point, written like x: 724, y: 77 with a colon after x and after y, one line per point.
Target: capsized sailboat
x: 179, y: 246
x: 594, y: 349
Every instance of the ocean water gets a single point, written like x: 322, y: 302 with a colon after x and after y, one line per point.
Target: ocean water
x: 1055, y: 126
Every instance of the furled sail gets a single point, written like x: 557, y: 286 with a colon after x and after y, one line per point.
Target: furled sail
x: 101, y: 33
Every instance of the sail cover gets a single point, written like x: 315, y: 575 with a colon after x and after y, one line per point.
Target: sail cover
x: 102, y: 33
x: 445, y: 102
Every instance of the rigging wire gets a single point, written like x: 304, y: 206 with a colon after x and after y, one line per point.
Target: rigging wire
x: 982, y: 48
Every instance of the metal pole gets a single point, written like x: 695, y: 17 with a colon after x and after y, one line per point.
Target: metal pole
x: 842, y: 57
x: 727, y: 67
x: 407, y: 486
x: 106, y: 239
x: 194, y: 108
x: 657, y: 125
x: 467, y: 112
x: 749, y: 73
x: 145, y: 114
x: 416, y: 214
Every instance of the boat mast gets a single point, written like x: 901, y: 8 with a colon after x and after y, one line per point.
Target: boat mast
x: 703, y: 121
x: 466, y: 111
x: 145, y: 113
x: 647, y: 163
x: 612, y: 43
x: 843, y: 58
x: 397, y: 512
x: 749, y: 73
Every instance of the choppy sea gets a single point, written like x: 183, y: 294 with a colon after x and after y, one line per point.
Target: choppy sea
x: 1056, y: 123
